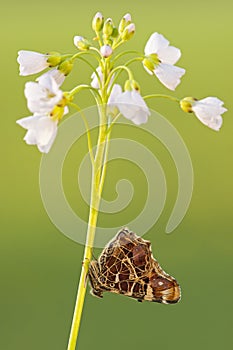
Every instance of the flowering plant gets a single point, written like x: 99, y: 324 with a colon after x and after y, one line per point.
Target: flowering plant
x: 49, y: 104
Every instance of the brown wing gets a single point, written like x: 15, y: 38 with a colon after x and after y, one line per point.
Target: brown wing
x: 126, y: 266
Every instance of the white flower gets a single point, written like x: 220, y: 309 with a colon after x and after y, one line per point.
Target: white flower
x: 208, y: 111
x: 42, y: 130
x: 31, y: 62
x: 164, y: 57
x: 43, y: 95
x: 130, y: 104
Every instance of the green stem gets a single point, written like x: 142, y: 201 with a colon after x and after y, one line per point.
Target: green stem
x: 96, y: 189
x: 120, y: 68
x: 125, y: 53
x: 89, y: 142
x: 84, y: 87
x: 162, y: 96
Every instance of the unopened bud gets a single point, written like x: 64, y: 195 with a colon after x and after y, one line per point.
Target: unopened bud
x: 65, y: 67
x: 128, y: 32
x: 81, y: 43
x: 127, y: 86
x: 98, y: 22
x: 131, y: 85
x: 124, y: 22
x: 106, y: 51
x: 108, y: 27
x: 135, y: 85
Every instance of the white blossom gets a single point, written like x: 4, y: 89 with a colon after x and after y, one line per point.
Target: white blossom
x: 31, y: 62
x: 130, y: 104
x: 43, y: 95
x: 208, y: 111
x: 42, y: 131
x: 165, y: 58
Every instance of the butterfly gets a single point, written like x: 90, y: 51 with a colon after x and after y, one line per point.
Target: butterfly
x: 126, y: 266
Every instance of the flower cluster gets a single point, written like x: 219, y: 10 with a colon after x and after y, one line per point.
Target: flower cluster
x: 48, y: 104
x: 44, y: 99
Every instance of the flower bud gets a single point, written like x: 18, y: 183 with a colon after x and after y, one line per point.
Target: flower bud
x: 128, y: 32
x: 131, y: 85
x: 186, y: 104
x: 127, y: 86
x: 124, y: 22
x: 108, y: 27
x: 98, y: 22
x: 106, y: 51
x: 54, y: 59
x: 127, y: 18
x: 135, y: 85
x: 65, y: 67
x: 81, y: 43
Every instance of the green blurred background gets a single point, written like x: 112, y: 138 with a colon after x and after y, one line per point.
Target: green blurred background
x: 40, y: 267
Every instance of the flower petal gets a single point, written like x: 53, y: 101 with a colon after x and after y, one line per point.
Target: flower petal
x: 28, y: 122
x: 56, y: 74
x: 46, y: 128
x: 133, y: 107
x: 213, y: 101
x: 95, y: 81
x: 124, y: 103
x: 155, y: 43
x: 42, y: 96
x: 116, y: 91
x: 42, y: 131
x: 33, y: 91
x: 139, y: 118
x: 169, y: 54
x: 169, y: 75
x: 214, y: 123
x: 30, y: 137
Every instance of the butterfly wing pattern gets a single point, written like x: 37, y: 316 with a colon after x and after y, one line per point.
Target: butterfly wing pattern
x: 126, y: 266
